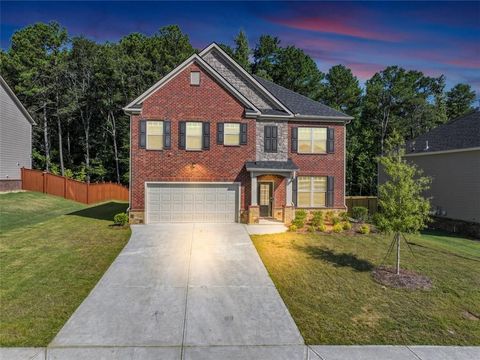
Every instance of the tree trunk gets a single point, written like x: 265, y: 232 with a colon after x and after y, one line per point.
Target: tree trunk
x: 69, y: 154
x: 397, y: 238
x: 87, y: 154
x: 60, y: 141
x: 115, y: 149
x: 45, y: 137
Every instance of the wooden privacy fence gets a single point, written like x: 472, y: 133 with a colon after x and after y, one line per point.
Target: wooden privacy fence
x: 40, y: 181
x: 370, y: 202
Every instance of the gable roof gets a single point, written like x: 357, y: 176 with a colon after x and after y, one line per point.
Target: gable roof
x: 135, y: 105
x: 16, y: 101
x: 460, y: 133
x: 299, y: 104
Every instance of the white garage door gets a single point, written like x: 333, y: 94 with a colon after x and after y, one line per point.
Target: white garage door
x: 175, y: 202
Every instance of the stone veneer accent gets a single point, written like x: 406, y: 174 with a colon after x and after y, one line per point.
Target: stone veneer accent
x: 282, y: 145
x: 232, y: 75
x: 136, y: 217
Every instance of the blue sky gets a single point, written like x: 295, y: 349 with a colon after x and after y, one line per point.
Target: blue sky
x: 434, y: 37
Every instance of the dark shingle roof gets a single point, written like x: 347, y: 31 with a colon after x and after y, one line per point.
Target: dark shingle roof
x: 460, y: 133
x: 288, y: 165
x: 298, y: 104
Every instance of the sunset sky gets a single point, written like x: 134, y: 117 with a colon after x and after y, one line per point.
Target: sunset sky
x: 434, y: 37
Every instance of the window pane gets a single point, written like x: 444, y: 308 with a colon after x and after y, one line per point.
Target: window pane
x: 303, y: 183
x: 194, y: 136
x: 319, y: 199
x: 304, y: 146
x: 154, y: 135
x: 320, y: 134
x: 155, y: 142
x: 231, y: 128
x: 304, y: 199
x: 195, y: 78
x: 304, y: 133
x: 231, y: 139
x: 320, y: 183
x: 320, y: 140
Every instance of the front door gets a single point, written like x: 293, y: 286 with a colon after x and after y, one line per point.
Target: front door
x: 265, y: 198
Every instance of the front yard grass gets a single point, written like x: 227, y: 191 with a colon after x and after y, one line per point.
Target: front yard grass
x: 52, y: 253
x: 325, y: 281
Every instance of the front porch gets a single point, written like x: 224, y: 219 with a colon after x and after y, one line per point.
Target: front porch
x: 271, y: 191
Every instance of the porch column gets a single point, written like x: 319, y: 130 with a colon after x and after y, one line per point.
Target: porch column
x: 289, y: 191
x: 253, y: 190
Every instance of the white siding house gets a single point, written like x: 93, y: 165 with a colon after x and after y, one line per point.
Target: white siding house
x: 15, y: 138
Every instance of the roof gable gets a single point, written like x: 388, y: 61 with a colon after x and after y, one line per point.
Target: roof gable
x: 16, y: 101
x: 136, y: 105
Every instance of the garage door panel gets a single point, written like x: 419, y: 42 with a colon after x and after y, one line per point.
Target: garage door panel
x: 176, y: 202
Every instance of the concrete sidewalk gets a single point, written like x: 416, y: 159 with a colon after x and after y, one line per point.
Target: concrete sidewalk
x: 321, y: 352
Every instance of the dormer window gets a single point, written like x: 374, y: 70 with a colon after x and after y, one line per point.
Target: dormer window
x: 195, y: 78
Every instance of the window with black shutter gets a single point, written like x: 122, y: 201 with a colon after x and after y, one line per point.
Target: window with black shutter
x: 219, y: 133
x: 206, y: 136
x: 243, y: 134
x: 294, y: 140
x: 142, y: 134
x: 167, y: 134
x: 181, y: 134
x: 331, y: 140
x: 270, y: 138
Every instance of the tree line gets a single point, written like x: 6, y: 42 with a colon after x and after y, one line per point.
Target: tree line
x: 76, y: 88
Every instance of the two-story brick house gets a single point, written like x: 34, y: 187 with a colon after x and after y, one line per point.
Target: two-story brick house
x: 212, y: 143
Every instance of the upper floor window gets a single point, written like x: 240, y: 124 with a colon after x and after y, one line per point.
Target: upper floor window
x: 312, y: 140
x: 195, y: 78
x: 154, y: 135
x: 231, y: 134
x: 312, y: 191
x: 194, y: 136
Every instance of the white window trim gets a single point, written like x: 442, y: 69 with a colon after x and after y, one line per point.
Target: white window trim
x: 225, y: 133
x: 312, y: 141
x: 310, y: 206
x: 186, y: 135
x: 146, y: 134
x: 191, y: 78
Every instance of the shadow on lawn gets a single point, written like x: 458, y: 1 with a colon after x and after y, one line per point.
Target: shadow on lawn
x: 105, y: 211
x: 341, y: 259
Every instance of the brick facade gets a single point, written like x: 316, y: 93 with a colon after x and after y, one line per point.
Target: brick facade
x: 179, y: 101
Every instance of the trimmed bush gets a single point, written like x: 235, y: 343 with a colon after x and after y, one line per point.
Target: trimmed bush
x: 343, y: 215
x: 311, y: 228
x: 299, y: 221
x: 337, y: 228
x: 292, y: 227
x: 317, y: 218
x: 329, y: 215
x: 347, y: 225
x: 360, y: 213
x: 364, y: 229
x: 121, y: 219
x: 336, y: 220
x: 322, y: 228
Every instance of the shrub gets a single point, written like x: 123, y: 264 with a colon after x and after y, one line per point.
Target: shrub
x: 300, y: 214
x: 317, y: 218
x: 311, y: 228
x: 364, y: 229
x: 292, y: 227
x: 329, y: 215
x: 337, y: 228
x: 347, y: 225
x: 343, y: 215
x: 360, y: 213
x: 120, y: 219
x: 322, y: 228
x: 336, y: 220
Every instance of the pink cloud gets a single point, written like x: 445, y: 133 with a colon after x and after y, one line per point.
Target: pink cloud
x: 339, y: 27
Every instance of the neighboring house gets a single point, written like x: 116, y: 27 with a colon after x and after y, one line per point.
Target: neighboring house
x: 212, y: 143
x: 450, y: 154
x: 15, y: 139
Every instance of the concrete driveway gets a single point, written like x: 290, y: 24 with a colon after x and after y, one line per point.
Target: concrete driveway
x: 190, y: 291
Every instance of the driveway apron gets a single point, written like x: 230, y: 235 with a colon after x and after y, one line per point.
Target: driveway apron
x: 192, y: 290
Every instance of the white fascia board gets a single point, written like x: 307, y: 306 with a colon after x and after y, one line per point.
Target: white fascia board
x: 194, y: 58
x: 244, y: 72
x: 424, y: 153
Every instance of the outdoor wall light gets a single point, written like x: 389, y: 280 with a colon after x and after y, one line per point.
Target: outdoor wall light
x: 192, y: 166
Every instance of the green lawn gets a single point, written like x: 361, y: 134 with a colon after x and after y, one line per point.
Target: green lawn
x: 52, y: 253
x: 326, y: 282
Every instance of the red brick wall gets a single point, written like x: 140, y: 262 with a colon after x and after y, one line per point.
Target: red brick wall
x: 178, y: 101
x: 323, y: 164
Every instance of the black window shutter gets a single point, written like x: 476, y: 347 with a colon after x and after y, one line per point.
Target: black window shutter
x: 206, y: 136
x: 294, y: 143
x: 220, y: 133
x: 243, y: 134
x: 182, y: 127
x: 294, y: 191
x: 330, y: 187
x: 267, y: 141
x: 167, y: 134
x: 142, y: 136
x: 274, y: 139
x: 330, y: 140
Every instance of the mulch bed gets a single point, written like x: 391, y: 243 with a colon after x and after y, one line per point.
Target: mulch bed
x: 406, y: 280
